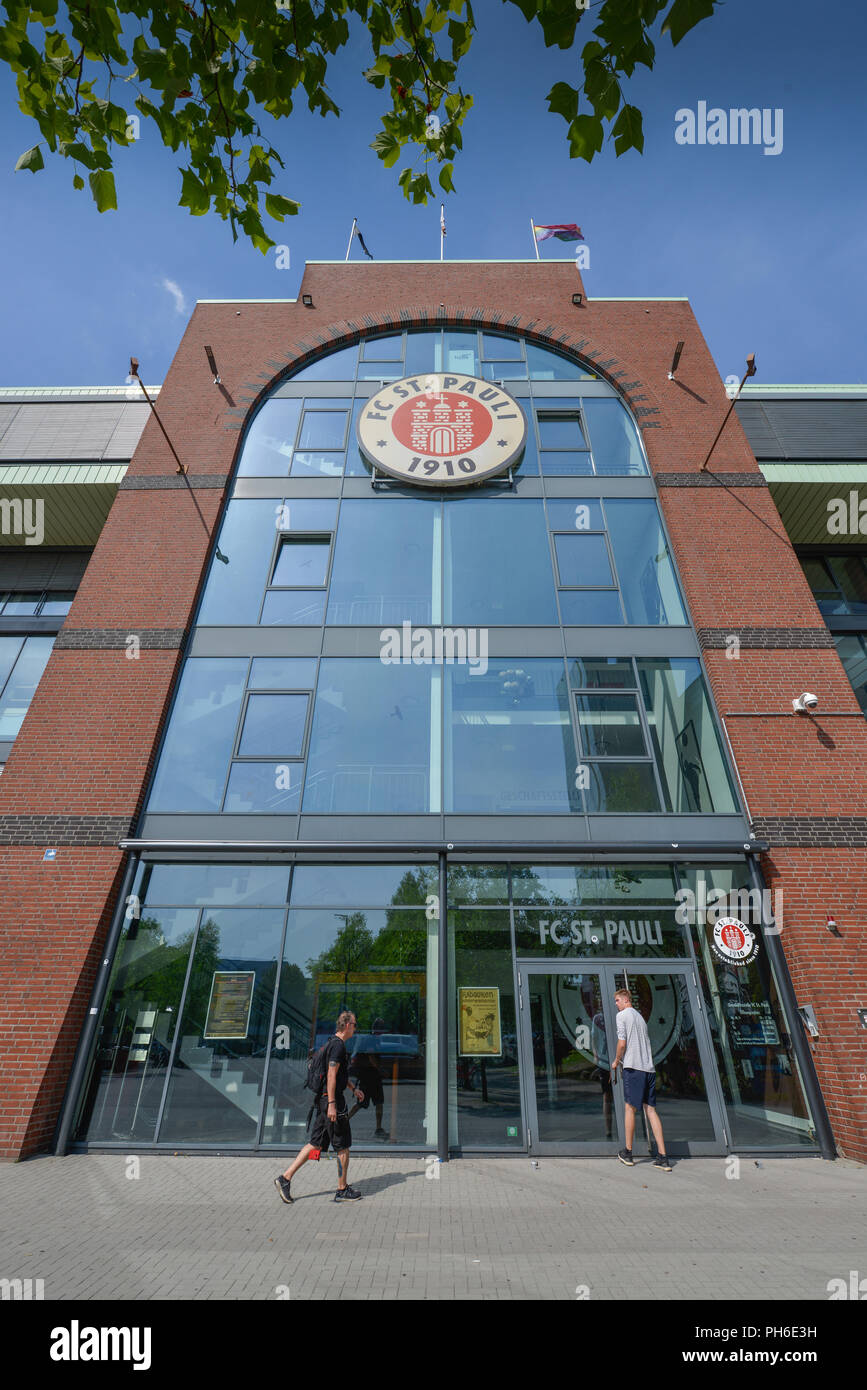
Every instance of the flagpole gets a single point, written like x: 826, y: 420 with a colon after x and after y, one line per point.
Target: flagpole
x: 442, y: 227
x: 535, y: 242
x: 351, y: 235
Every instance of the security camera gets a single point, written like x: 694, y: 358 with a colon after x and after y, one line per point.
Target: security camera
x: 805, y: 702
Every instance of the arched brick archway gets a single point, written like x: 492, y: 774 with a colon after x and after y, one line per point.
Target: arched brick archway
x: 614, y: 370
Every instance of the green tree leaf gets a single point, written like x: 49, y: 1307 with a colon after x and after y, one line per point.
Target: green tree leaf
x: 31, y: 159
x: 103, y: 190
x: 279, y: 207
x: 684, y: 15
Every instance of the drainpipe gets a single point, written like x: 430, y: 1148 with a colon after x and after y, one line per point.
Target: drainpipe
x: 443, y: 1021
x: 799, y: 1040
x: 88, y: 1032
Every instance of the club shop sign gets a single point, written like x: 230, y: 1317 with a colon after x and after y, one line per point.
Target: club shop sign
x: 442, y: 430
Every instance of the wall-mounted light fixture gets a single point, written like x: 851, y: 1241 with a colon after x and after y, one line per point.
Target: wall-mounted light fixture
x: 675, y: 360
x: 750, y: 371
x: 577, y: 300
x: 307, y: 301
x: 212, y: 363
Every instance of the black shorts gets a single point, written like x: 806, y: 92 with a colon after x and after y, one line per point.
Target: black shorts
x: 371, y: 1085
x: 325, y: 1133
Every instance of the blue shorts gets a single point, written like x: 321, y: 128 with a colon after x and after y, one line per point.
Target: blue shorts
x: 639, y: 1087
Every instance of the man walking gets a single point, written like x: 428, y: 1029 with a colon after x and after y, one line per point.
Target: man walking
x: 330, y: 1118
x: 639, y: 1077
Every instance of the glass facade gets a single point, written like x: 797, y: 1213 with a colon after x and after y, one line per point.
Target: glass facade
x: 367, y: 655
x: 234, y: 972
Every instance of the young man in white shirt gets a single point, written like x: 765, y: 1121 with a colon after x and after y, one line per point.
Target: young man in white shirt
x: 639, y: 1077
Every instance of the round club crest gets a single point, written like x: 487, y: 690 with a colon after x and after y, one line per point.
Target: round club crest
x: 442, y: 430
x: 733, y: 941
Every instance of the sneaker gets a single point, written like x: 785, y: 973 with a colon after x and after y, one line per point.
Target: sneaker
x: 625, y: 1156
x: 347, y: 1194
x: 662, y: 1163
x: 282, y: 1186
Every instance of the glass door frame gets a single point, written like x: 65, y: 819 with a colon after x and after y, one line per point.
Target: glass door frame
x: 608, y: 968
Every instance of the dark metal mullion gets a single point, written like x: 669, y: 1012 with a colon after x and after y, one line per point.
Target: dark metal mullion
x: 443, y: 1035
x: 176, y: 1039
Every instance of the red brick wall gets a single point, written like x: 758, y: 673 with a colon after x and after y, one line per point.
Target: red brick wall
x: 88, y: 741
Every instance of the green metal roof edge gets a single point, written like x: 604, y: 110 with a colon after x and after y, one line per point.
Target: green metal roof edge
x: 825, y: 474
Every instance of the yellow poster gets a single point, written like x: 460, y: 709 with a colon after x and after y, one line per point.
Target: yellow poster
x: 479, y: 1014
x: 229, y: 1006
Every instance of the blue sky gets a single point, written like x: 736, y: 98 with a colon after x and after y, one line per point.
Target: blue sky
x: 770, y: 249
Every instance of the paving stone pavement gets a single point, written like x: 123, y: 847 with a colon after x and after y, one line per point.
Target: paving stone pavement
x: 475, y: 1228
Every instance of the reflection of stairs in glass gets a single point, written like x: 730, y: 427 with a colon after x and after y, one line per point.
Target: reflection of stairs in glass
x: 228, y: 1080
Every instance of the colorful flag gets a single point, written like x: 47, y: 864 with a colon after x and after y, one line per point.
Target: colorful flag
x: 563, y: 231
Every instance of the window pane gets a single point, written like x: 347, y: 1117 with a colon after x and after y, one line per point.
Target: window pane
x: 598, y: 672
x: 294, y: 608
x: 21, y: 605
x: 644, y: 568
x: 504, y: 371
x: 234, y: 590
x: 302, y: 562
x: 10, y: 648
x: 56, y: 605
x: 613, y: 437
x: 548, y: 366
x: 687, y: 746
x: 338, y: 366
x: 592, y: 884
x: 510, y: 747
x: 461, y: 354
x: 851, y: 574
x: 483, y: 584
x: 322, y: 429
x: 566, y: 464
x: 215, y: 1088
x: 528, y: 463
x: 583, y: 515
x: 560, y: 433
x: 376, y: 964
x: 852, y: 651
x: 486, y: 1089
x: 380, y: 371
x: 583, y: 560
x: 282, y: 673
x: 315, y: 464
x: 137, y: 1028
x: 274, y: 726
x: 382, y: 349
x: 307, y: 514
x: 363, y: 885
x: 270, y: 788
x: 229, y: 884
x: 198, y: 746
x: 423, y: 353
x: 818, y: 576
x: 271, y: 439
x: 495, y: 348
x: 610, y: 726
x: 21, y: 684
x: 625, y: 787
x: 590, y: 608
x: 370, y: 748
x: 383, y: 569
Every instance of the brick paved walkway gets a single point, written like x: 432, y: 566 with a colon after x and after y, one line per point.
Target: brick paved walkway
x: 214, y: 1228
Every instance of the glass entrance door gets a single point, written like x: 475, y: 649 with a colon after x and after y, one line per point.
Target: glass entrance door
x: 569, y: 1037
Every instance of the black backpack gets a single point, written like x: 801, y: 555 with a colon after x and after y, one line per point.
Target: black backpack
x: 317, y: 1069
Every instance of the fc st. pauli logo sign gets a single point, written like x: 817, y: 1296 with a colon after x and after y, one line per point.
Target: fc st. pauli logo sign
x: 441, y: 430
